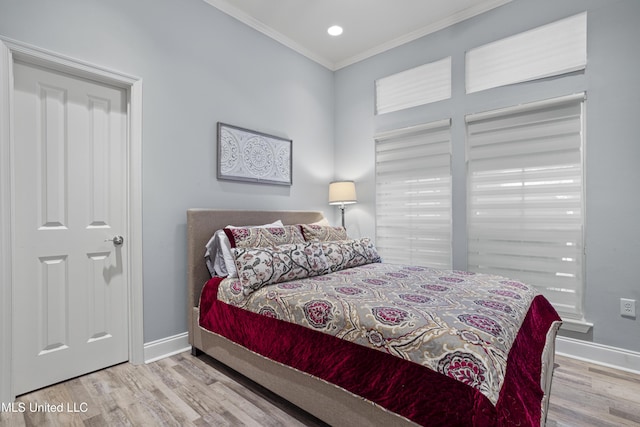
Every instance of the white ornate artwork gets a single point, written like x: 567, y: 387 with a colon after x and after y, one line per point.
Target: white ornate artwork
x: 246, y: 155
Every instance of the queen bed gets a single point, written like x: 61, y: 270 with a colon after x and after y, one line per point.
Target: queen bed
x: 318, y: 319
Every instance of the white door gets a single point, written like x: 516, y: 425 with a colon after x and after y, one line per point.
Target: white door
x: 69, y: 185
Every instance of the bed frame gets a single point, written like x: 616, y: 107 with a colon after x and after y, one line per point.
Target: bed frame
x: 324, y: 400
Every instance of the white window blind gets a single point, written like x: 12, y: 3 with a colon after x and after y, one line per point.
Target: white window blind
x: 417, y: 86
x: 413, y: 195
x: 549, y: 50
x: 526, y: 203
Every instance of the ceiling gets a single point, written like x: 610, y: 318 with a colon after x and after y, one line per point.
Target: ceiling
x: 370, y: 26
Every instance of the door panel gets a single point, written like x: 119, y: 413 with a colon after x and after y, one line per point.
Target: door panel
x: 70, y: 281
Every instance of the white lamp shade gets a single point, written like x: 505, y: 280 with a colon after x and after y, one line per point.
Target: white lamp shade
x: 342, y: 193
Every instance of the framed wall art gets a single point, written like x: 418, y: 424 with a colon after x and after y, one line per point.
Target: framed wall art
x: 246, y: 155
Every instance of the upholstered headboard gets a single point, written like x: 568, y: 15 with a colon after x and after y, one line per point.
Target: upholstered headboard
x: 202, y: 223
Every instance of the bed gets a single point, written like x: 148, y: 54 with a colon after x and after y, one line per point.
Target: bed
x: 389, y: 374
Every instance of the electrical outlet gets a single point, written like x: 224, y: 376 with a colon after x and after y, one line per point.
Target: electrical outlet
x: 627, y: 307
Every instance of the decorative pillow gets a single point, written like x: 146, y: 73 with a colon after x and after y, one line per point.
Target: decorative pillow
x: 350, y: 253
x: 218, y: 255
x: 258, y: 267
x: 263, y: 237
x: 323, y: 233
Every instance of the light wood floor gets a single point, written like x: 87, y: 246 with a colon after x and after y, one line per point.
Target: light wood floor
x: 583, y: 394
x: 186, y: 391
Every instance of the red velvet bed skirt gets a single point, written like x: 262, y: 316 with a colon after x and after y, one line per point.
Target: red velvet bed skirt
x: 406, y: 388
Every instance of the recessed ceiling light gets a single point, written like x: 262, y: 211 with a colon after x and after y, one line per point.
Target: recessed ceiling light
x: 335, y: 30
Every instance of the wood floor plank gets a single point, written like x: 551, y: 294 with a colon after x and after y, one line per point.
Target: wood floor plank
x: 183, y: 390
x: 195, y: 369
x: 79, y: 394
x: 201, y: 399
x: 10, y: 419
x: 158, y: 409
x: 158, y: 376
x: 583, y: 394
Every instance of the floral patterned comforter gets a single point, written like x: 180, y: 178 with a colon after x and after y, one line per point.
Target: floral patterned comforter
x: 457, y: 323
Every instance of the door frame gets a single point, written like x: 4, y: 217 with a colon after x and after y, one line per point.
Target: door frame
x: 10, y: 51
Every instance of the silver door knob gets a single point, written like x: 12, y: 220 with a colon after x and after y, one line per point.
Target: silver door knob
x: 117, y: 240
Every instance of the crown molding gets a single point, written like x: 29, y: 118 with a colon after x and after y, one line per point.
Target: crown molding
x: 334, y: 66
x: 421, y: 32
x: 259, y: 26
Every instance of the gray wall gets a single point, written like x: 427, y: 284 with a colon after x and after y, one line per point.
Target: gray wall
x: 199, y: 66
x: 612, y: 84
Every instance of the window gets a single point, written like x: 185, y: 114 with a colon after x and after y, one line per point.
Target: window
x: 417, y: 86
x: 549, y: 50
x: 413, y: 195
x: 526, y: 197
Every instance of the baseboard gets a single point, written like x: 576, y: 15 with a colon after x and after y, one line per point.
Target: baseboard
x: 165, y: 347
x: 599, y: 354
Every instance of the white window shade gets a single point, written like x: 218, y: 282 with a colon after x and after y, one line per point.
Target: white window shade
x: 550, y: 50
x: 526, y: 203
x: 417, y: 86
x: 413, y: 195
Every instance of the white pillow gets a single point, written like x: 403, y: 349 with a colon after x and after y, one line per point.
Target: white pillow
x: 323, y: 222
x: 218, y: 256
x: 214, y: 254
